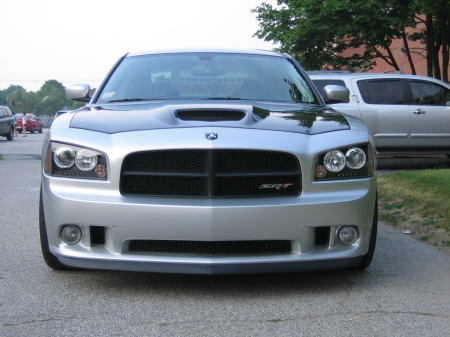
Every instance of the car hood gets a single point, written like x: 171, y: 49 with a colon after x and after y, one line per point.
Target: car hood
x: 115, y: 118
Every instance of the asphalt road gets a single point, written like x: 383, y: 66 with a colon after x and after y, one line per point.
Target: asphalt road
x: 405, y: 292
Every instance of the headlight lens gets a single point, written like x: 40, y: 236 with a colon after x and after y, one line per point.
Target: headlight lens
x: 64, y: 160
x: 86, y: 160
x: 346, y: 163
x: 334, y: 161
x: 355, y: 158
x: 64, y: 157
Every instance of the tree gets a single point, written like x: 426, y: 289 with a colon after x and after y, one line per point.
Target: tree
x: 18, y: 99
x: 319, y: 31
x: 51, y: 98
x: 5, y: 93
x: 434, y: 15
x: 46, y: 101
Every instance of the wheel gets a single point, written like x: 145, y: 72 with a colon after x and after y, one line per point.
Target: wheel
x: 49, y: 258
x: 10, y: 135
x: 367, y: 258
x: 40, y: 130
x: 33, y: 129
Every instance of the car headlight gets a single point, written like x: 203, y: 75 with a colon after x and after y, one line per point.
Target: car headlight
x: 346, y: 163
x: 63, y: 160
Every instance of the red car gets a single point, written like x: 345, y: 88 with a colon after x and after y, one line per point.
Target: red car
x: 33, y: 123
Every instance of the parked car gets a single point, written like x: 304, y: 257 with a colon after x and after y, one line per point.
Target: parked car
x: 33, y: 123
x: 207, y: 161
x: 6, y: 123
x: 406, y: 114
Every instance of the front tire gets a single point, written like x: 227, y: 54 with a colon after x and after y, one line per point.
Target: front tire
x: 50, y: 259
x: 367, y: 258
x: 10, y: 135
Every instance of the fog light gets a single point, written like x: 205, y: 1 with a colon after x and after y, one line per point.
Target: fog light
x: 71, y: 234
x: 348, y: 235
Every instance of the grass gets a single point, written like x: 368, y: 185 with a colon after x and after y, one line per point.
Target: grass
x: 418, y: 201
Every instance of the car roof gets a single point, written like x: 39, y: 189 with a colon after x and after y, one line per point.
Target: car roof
x: 341, y: 75
x: 209, y: 50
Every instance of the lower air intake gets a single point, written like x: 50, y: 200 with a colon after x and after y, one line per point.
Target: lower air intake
x: 211, y: 247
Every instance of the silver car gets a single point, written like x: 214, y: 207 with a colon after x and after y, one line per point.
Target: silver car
x: 406, y: 114
x: 207, y: 162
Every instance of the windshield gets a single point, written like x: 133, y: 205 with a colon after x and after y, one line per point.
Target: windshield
x: 207, y: 76
x: 20, y: 116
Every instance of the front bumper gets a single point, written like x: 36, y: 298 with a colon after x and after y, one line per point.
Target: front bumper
x: 201, y: 219
x: 121, y: 219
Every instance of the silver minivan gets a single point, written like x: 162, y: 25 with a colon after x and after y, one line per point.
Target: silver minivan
x: 406, y: 114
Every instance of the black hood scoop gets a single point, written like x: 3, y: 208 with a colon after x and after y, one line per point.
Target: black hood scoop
x: 307, y: 119
x: 210, y: 115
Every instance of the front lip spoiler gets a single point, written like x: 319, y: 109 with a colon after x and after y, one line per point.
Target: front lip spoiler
x: 211, y: 269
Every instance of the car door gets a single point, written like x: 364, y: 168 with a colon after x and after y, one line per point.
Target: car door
x: 4, y: 126
x: 384, y: 111
x: 430, y: 115
x: 32, y: 121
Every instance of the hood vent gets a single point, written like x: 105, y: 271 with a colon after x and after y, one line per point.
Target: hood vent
x: 210, y: 115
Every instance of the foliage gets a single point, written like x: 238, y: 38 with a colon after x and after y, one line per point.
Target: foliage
x: 436, y: 34
x: 51, y: 98
x: 4, y: 93
x: 318, y: 31
x: 46, y: 101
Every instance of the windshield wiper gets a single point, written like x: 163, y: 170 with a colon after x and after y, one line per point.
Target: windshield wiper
x: 225, y: 98
x: 126, y: 100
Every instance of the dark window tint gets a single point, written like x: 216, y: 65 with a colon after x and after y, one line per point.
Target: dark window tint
x: 428, y: 93
x: 381, y: 91
x: 321, y: 84
x: 207, y: 76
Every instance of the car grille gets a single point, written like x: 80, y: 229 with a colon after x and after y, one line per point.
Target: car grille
x: 211, y: 247
x: 211, y: 173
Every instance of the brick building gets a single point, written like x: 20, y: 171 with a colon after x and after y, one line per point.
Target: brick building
x: 418, y: 55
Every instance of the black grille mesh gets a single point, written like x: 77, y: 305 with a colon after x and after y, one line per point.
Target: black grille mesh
x: 211, y: 173
x: 181, y: 185
x: 160, y: 159
x: 211, y: 247
x: 249, y: 159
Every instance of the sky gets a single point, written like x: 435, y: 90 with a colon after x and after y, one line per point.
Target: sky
x: 79, y: 41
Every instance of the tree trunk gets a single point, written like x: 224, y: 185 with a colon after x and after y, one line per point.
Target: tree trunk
x: 429, y: 44
x: 408, y: 53
x: 445, y: 38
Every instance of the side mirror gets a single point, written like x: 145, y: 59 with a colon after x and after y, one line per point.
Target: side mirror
x: 336, y: 94
x: 78, y: 92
